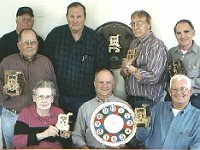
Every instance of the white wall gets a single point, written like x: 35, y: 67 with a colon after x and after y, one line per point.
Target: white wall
x: 51, y: 13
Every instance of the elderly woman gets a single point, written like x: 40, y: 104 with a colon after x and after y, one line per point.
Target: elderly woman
x: 35, y: 126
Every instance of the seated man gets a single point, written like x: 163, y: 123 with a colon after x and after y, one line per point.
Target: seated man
x: 174, y: 124
x: 82, y: 136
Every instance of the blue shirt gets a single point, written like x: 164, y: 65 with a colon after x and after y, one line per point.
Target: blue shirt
x: 169, y: 132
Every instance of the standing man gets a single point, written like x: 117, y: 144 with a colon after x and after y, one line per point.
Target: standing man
x: 145, y: 79
x: 76, y: 52
x: 174, y: 124
x: 8, y: 42
x: 18, y: 75
x: 188, y: 52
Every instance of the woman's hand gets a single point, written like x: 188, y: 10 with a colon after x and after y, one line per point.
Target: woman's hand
x: 51, y: 131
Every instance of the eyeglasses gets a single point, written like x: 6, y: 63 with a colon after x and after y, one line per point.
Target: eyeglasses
x: 182, y: 90
x: 46, y: 97
x: 137, y: 23
x: 29, y: 42
x: 24, y: 19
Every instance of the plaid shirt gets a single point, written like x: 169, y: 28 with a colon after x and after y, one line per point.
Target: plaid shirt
x: 76, y: 62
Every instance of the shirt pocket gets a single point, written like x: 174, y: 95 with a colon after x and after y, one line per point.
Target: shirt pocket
x: 88, y: 62
x: 184, y: 138
x: 192, y: 70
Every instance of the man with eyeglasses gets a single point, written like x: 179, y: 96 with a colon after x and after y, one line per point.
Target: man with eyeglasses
x: 8, y: 42
x: 19, y: 73
x: 188, y: 52
x: 174, y: 124
x: 145, y: 76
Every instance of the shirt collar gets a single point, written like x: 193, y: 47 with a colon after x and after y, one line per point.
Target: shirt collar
x: 108, y: 99
x: 147, y: 37
x: 25, y: 59
x: 82, y: 34
x: 194, y: 48
x: 186, y: 109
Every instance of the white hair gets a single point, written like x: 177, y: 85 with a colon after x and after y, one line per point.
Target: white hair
x: 181, y: 77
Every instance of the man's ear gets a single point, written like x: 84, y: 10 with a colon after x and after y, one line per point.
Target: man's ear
x: 16, y: 20
x: 190, y: 90
x: 114, y: 85
x: 169, y: 91
x: 18, y: 45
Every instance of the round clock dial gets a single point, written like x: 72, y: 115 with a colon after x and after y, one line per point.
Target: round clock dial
x: 112, y: 123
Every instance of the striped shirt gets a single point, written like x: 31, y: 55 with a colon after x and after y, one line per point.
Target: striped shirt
x: 152, y: 63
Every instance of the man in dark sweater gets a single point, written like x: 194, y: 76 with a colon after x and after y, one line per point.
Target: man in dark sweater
x: 8, y: 42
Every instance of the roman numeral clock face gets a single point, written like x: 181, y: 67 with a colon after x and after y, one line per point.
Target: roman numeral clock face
x: 112, y: 124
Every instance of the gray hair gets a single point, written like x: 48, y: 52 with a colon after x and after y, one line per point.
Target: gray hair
x: 45, y: 84
x: 181, y: 77
x: 142, y: 13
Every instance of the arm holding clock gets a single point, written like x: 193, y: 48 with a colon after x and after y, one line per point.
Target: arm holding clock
x: 129, y: 69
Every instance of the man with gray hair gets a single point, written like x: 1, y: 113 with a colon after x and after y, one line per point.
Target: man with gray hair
x: 18, y: 75
x: 187, y: 51
x: 174, y: 124
x: 144, y: 75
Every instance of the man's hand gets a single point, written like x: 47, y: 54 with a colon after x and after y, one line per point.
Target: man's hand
x: 126, y: 62
x: 125, y: 66
x: 124, y: 72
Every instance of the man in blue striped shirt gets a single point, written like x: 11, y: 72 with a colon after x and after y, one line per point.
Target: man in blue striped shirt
x: 145, y: 77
